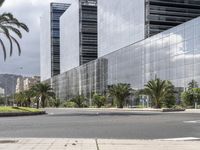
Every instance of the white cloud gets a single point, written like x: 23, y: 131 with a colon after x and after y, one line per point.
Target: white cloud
x: 29, y: 12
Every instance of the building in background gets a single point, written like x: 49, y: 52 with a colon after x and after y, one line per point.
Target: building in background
x: 123, y: 22
x: 30, y: 81
x: 70, y: 38
x: 164, y: 14
x: 2, y: 92
x: 8, y: 83
x: 50, y: 40
x: 25, y: 83
x: 19, y: 85
x: 78, y: 36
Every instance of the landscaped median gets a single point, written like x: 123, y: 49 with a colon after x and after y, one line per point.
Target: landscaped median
x: 19, y: 111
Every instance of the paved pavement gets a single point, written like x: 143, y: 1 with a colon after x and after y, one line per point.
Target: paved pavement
x: 96, y: 144
x: 77, y: 123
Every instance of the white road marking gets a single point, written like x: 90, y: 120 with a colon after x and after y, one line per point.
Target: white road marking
x: 194, y: 121
x: 181, y: 139
x: 51, y: 113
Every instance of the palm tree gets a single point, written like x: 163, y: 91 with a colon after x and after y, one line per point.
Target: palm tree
x: 28, y: 95
x: 20, y: 99
x: 120, y: 92
x: 9, y: 25
x: 44, y: 92
x: 159, y: 90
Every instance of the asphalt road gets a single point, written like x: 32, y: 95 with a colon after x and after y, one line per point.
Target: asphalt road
x: 62, y: 123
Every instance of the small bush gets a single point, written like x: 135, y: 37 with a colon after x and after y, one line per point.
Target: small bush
x: 169, y: 103
x: 80, y: 101
x: 69, y: 104
x: 99, y: 100
x: 177, y: 107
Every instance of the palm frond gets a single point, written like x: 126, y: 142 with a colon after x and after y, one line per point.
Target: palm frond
x: 15, y: 30
x: 4, y: 49
x: 6, y: 32
x: 18, y: 46
x: 1, y: 2
x: 9, y: 24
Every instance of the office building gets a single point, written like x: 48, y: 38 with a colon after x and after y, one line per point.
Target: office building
x: 123, y: 22
x: 137, y: 41
x: 164, y: 14
x: 78, y: 25
x: 50, y: 40
x: 170, y: 55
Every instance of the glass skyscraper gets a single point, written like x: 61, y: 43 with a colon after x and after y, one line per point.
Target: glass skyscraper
x: 123, y: 22
x: 57, y: 9
x: 173, y: 55
x: 137, y: 41
x: 50, y: 40
x: 78, y: 34
x: 120, y: 23
x: 164, y: 14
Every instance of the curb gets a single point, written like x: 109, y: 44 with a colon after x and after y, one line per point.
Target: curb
x: 172, y: 110
x: 14, y: 114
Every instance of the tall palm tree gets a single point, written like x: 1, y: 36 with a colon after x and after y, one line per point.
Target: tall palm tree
x: 159, y: 90
x: 120, y: 92
x: 44, y: 92
x: 10, y: 26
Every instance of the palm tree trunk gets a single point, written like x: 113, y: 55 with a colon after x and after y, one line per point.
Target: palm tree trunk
x: 37, y: 103
x: 29, y: 102
x: 43, y: 101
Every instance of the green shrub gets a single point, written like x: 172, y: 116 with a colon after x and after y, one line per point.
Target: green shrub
x: 178, y: 107
x: 52, y: 102
x: 169, y: 103
x: 69, y: 104
x: 99, y: 100
x: 80, y: 101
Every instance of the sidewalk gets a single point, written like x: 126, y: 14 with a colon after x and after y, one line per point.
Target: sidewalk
x: 95, y: 144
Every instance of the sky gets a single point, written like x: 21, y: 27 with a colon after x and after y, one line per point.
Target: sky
x: 28, y: 12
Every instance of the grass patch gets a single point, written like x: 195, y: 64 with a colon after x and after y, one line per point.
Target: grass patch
x: 17, y: 109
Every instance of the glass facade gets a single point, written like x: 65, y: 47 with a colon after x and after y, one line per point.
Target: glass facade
x: 88, y: 30
x: 69, y: 38
x: 173, y: 55
x: 57, y: 9
x: 120, y: 23
x: 50, y: 40
x: 164, y: 14
x: 78, y: 34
